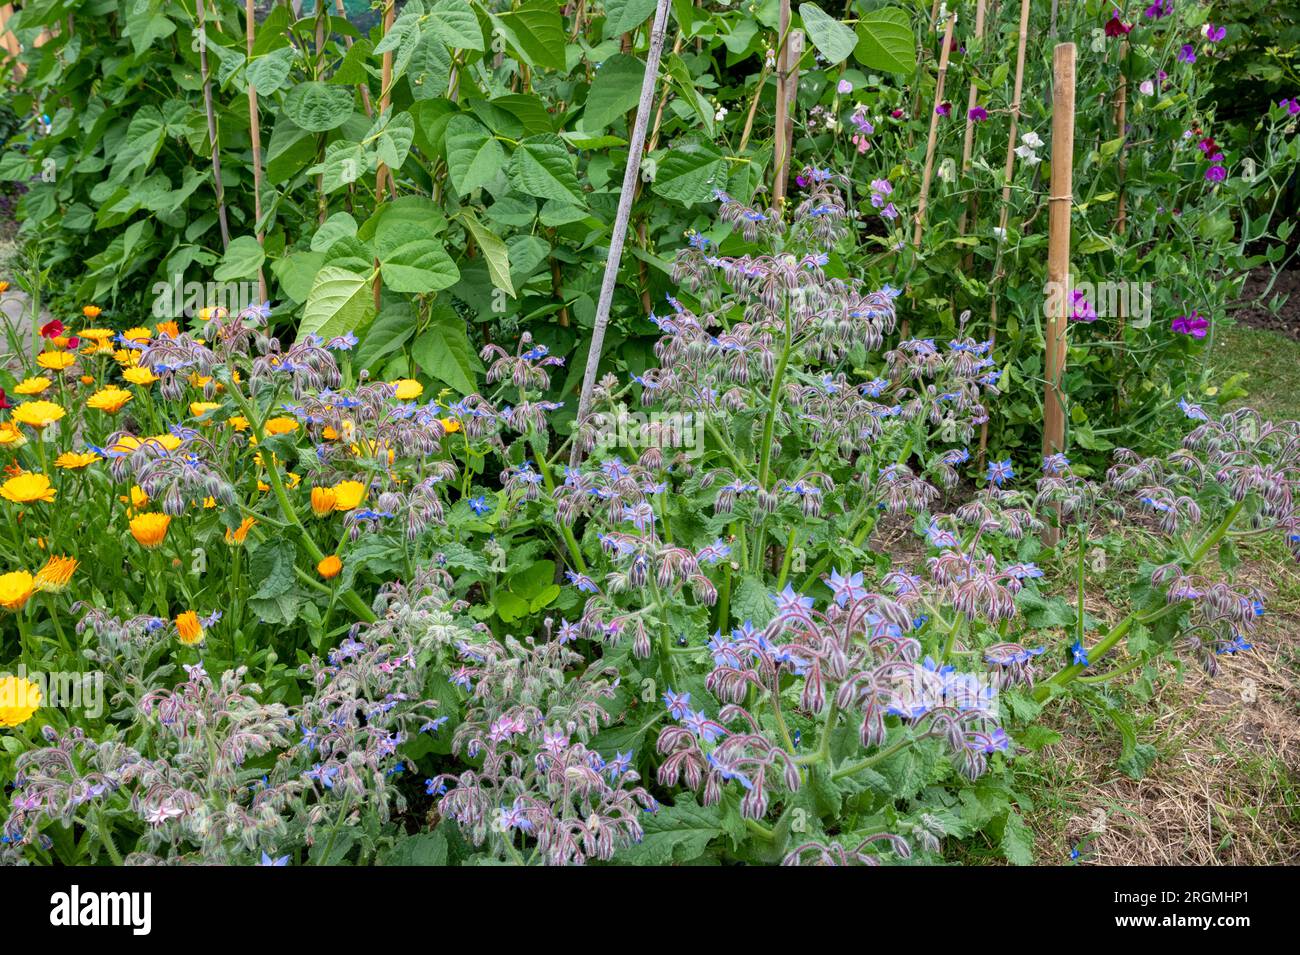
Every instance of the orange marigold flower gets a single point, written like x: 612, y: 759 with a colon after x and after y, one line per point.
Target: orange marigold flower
x: 87, y: 379
x: 407, y: 389
x: 75, y: 460
x: 27, y: 488
x: 110, y: 400
x: 54, y: 576
x: 139, y: 375
x: 280, y: 425
x: 348, y: 494
x: 38, y: 414
x: 92, y: 312
x: 16, y: 588
x: 236, y: 536
x: 168, y: 329
x: 323, y: 500
x: 329, y: 566
x: 32, y: 386
x: 150, y: 530
x: 189, y: 630
x: 20, y: 698
x: 55, y: 360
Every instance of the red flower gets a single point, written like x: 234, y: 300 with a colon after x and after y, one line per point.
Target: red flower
x: 52, y: 329
x: 4, y: 400
x: 1117, y: 27
x: 1208, y: 145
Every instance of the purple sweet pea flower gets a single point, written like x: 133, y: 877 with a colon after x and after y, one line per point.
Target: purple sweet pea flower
x: 978, y: 114
x: 1192, y: 324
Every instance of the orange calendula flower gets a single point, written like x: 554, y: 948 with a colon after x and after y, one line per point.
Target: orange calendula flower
x: 4, y: 287
x: 10, y: 436
x: 280, y: 425
x: 92, y: 312
x: 16, y: 588
x: 348, y: 494
x: 75, y: 460
x: 236, y: 536
x: 87, y: 379
x: 407, y: 389
x: 110, y: 400
x: 139, y: 375
x: 54, y: 576
x: 189, y: 629
x: 323, y: 500
x: 329, y: 566
x: 32, y: 386
x: 55, y: 360
x: 168, y: 329
x: 27, y: 488
x: 19, y: 698
x: 38, y: 414
x: 150, y: 530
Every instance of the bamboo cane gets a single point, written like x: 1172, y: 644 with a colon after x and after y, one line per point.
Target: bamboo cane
x: 347, y: 43
x: 927, y: 175
x: 779, y: 157
x: 1060, y: 202
x: 619, y: 233
x: 968, y: 145
x: 255, y: 132
x: 1121, y: 212
x: 212, y: 126
x: 1008, y: 169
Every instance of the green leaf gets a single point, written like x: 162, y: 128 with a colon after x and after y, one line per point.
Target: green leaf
x: 885, y: 41
x: 318, y: 107
x: 344, y: 163
x: 429, y: 73
x: 615, y: 90
x: 144, y: 137
x: 411, y: 260
x: 424, y: 848
x: 624, y: 16
x: 541, y: 166
x: 341, y: 301
x: 474, y: 156
x: 392, y: 328
x: 690, y: 173
x: 243, y: 258
x: 271, y: 565
x: 536, y: 31
x: 457, y: 24
x: 678, y: 833
x: 341, y: 225
x: 1017, y: 840
x: 394, y: 141
x: 495, y: 252
x: 443, y: 351
x: 833, y: 39
x: 267, y: 73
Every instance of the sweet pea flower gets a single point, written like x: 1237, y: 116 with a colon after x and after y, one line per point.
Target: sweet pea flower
x: 1212, y: 33
x: 1187, y: 54
x: 978, y: 114
x: 1192, y: 324
x: 1115, y: 27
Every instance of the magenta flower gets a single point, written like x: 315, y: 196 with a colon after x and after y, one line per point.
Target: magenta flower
x: 1081, y: 309
x: 1115, y: 27
x: 897, y: 114
x: 1214, y: 34
x: 844, y: 87
x: 1216, y: 174
x: 944, y: 109
x: 1187, y: 54
x: 1161, y: 8
x: 978, y: 114
x: 1292, y: 106
x: 1192, y: 324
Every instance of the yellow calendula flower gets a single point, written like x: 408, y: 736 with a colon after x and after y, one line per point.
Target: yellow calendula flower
x: 32, y: 386
x: 139, y: 375
x: 27, y: 488
x: 189, y: 630
x: 16, y: 588
x: 75, y: 460
x: 238, y: 422
x: 323, y: 500
x: 55, y: 360
x: 92, y: 312
x: 38, y: 414
x: 93, y: 347
x: 150, y: 530
x: 236, y: 536
x: 129, y: 442
x: 407, y: 389
x: 137, y: 498
x: 450, y: 425
x: 10, y: 436
x: 110, y: 400
x: 126, y: 357
x: 96, y: 334
x: 199, y: 408
x: 19, y: 700
x: 137, y: 334
x: 280, y: 425
x: 348, y: 494
x: 329, y: 566
x: 54, y: 576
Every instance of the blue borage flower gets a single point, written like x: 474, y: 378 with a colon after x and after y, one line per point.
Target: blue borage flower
x: 1079, y: 654
x: 1000, y: 472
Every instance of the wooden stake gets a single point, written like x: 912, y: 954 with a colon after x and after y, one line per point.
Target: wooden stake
x: 928, y: 173
x: 1008, y: 170
x: 385, y: 82
x: 788, y: 55
x: 968, y: 145
x: 1060, y: 202
x: 255, y: 131
x: 212, y: 126
x: 619, y: 233
x: 1121, y: 121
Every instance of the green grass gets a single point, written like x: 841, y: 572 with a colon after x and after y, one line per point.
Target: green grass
x: 1272, y: 361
